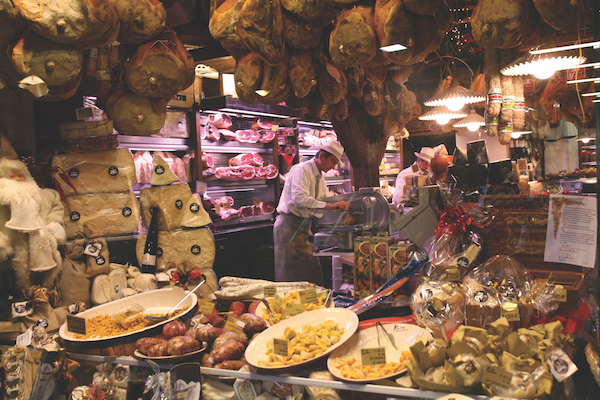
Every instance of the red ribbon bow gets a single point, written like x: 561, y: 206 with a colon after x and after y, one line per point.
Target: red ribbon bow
x: 454, y: 219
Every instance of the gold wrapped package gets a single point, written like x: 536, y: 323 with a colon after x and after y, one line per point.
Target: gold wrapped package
x: 101, y: 214
x: 94, y: 172
x: 183, y: 249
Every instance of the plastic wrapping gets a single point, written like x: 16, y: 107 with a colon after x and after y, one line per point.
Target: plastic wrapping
x: 177, y: 206
x: 438, y: 305
x: 506, y: 284
x: 183, y: 249
x: 101, y: 214
x: 94, y: 172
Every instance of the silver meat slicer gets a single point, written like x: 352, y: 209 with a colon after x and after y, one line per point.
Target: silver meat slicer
x: 370, y: 212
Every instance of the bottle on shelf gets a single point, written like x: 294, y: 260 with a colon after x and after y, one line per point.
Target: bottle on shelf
x: 151, y: 247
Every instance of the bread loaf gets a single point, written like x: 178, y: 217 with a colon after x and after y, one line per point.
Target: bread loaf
x: 101, y: 214
x: 353, y: 41
x: 133, y: 114
x: 94, y: 172
x: 260, y: 27
x: 55, y: 63
x: 140, y: 20
x: 248, y: 77
x: 183, y: 249
x: 161, y: 67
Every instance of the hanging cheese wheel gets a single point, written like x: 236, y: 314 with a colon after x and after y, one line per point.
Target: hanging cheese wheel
x: 160, y: 68
x: 133, y: 114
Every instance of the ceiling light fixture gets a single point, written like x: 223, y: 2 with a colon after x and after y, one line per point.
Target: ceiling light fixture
x: 455, y: 98
x: 392, y: 48
x: 563, y: 48
x: 590, y: 94
x: 472, y: 122
x: 518, y: 134
x: 541, y: 66
x: 441, y: 115
x: 595, y: 65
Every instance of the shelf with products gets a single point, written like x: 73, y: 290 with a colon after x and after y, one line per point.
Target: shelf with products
x: 592, y: 163
x: 389, y: 388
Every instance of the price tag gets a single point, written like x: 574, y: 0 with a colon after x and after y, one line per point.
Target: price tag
x: 83, y: 113
x: 256, y: 201
x: 453, y: 274
x: 76, y: 324
x: 275, y: 127
x: 280, y: 347
x: 206, y: 307
x: 498, y: 376
x: 292, y: 309
x: 373, y: 356
x: 244, y: 390
x: 200, y: 187
x: 308, y: 296
x: 24, y: 339
x: 277, y: 304
x: 560, y: 294
x: 93, y: 249
x: 234, y: 325
x: 510, y: 311
x: 269, y: 292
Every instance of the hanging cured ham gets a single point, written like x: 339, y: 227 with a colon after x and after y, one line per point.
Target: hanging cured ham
x: 261, y: 28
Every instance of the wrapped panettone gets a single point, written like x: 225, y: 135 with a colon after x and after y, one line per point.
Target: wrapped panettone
x: 102, y: 214
x: 183, y: 249
x: 94, y: 172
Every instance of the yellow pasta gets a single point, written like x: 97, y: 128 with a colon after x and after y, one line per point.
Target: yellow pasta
x: 293, y: 297
x: 352, y: 369
x: 307, y: 344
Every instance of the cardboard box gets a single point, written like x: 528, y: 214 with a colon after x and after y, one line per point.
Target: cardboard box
x: 363, y: 250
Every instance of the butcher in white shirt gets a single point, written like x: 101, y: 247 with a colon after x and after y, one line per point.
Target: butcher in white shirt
x: 298, y: 204
x: 419, y: 167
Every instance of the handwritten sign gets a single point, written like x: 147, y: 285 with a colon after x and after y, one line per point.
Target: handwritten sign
x: 292, y: 309
x: 234, y: 325
x: 76, y: 324
x: 373, y: 356
x: 281, y: 347
x: 206, y: 307
x: 498, y: 376
x: 308, y: 296
x: 269, y: 292
x: 510, y: 311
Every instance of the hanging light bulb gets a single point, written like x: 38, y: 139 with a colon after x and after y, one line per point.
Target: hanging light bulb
x: 472, y: 122
x: 455, y: 98
x: 586, y: 140
x: 441, y: 115
x: 442, y: 119
x: 515, y: 135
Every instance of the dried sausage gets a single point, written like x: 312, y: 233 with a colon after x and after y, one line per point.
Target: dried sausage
x: 231, y: 350
x: 182, y: 345
x: 207, y: 333
x: 254, y: 323
x: 226, y: 336
x: 144, y: 344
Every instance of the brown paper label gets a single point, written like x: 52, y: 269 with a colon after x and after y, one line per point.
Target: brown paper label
x: 453, y: 274
x: 277, y: 303
x: 308, y: 296
x: 206, y: 307
x: 560, y: 294
x: 280, y: 347
x: 498, y: 376
x: 269, y: 292
x: 510, y: 311
x: 234, y: 325
x: 76, y: 324
x: 292, y: 309
x: 373, y: 356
